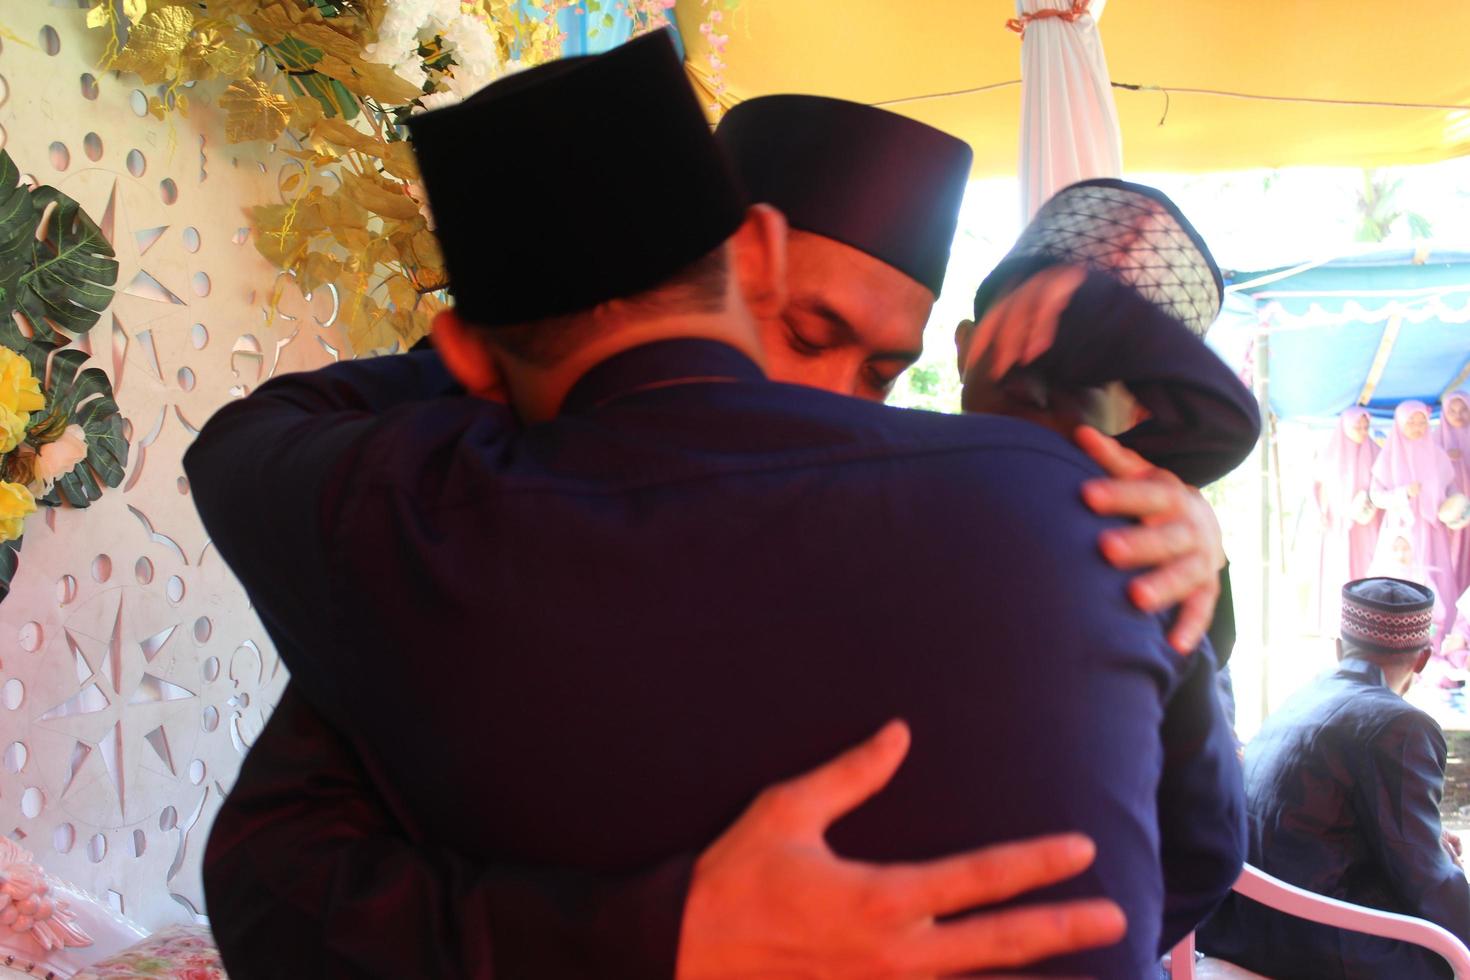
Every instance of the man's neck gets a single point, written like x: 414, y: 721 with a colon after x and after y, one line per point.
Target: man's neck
x: 537, y: 393
x: 1396, y: 677
x: 1398, y: 681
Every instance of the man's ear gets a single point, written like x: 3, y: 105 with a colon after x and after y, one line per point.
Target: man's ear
x: 1338, y: 643
x: 1422, y: 661
x: 467, y: 355
x: 963, y: 332
x: 758, y: 261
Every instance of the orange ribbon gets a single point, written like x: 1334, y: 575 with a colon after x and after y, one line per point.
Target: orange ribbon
x: 1079, y: 9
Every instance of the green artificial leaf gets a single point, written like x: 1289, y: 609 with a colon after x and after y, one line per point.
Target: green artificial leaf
x: 297, y: 55
x: 17, y: 229
x: 332, y: 94
x: 9, y: 562
x: 74, y: 274
x: 297, y: 58
x: 38, y: 353
x: 61, y: 281
x: 85, y: 397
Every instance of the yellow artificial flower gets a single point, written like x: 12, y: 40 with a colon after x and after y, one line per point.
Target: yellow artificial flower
x: 12, y: 429
x: 16, y: 503
x: 20, y: 395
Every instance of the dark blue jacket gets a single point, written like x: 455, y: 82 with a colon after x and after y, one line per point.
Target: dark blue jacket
x: 586, y: 644
x: 1343, y: 785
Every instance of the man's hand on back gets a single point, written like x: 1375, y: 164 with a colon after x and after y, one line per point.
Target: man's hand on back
x: 1178, y: 539
x: 770, y: 899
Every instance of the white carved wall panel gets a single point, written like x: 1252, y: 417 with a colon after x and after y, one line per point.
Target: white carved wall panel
x: 132, y: 672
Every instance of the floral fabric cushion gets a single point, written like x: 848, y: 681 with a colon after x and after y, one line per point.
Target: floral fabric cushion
x: 174, y: 953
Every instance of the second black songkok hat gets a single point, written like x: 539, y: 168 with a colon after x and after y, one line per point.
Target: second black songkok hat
x: 880, y: 182
x: 542, y: 184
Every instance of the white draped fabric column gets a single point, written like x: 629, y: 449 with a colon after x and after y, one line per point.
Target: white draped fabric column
x: 1069, y: 124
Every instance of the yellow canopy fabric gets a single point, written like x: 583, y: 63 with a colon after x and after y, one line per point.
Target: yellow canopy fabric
x: 904, y: 53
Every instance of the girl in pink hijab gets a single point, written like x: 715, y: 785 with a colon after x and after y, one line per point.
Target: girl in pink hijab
x: 1411, y: 479
x: 1454, y: 437
x: 1349, y: 519
x: 1456, y: 647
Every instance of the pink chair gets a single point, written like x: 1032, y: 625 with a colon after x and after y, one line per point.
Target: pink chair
x: 1277, y: 894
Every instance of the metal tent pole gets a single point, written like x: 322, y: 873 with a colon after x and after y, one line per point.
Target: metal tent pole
x: 1263, y: 397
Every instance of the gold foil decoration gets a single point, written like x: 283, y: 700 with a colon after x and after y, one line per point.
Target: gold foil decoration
x: 254, y: 112
x: 156, y: 45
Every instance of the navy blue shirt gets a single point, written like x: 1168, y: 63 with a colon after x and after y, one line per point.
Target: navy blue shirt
x: 588, y: 643
x: 1343, y: 788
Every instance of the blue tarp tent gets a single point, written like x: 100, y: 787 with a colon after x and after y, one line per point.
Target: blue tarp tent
x: 1385, y: 325
x: 1378, y: 328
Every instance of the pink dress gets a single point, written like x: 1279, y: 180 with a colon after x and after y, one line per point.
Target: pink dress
x: 1455, y: 439
x: 1344, y: 480
x: 1461, y: 628
x: 1412, y: 540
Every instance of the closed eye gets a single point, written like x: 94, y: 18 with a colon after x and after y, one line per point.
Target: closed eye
x: 802, y: 343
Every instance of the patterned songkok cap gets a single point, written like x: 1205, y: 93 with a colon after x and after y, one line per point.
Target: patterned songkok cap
x: 1387, y: 615
x: 1130, y: 231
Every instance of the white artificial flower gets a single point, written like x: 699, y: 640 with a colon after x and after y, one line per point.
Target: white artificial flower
x: 412, y: 72
x: 444, y: 12
x: 399, y: 33
x: 438, y: 100
x: 473, y: 44
x: 57, y: 459
x: 469, y: 40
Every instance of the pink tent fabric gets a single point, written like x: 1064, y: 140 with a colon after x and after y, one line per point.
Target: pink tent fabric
x: 1342, y: 486
x: 1454, y: 437
x: 1411, y: 478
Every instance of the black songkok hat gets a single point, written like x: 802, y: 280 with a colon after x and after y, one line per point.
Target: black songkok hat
x: 541, y: 183
x: 1387, y: 615
x: 880, y: 182
x: 1132, y: 232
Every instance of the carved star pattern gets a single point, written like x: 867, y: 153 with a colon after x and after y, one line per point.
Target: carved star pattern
x: 146, y: 290
x: 125, y: 718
